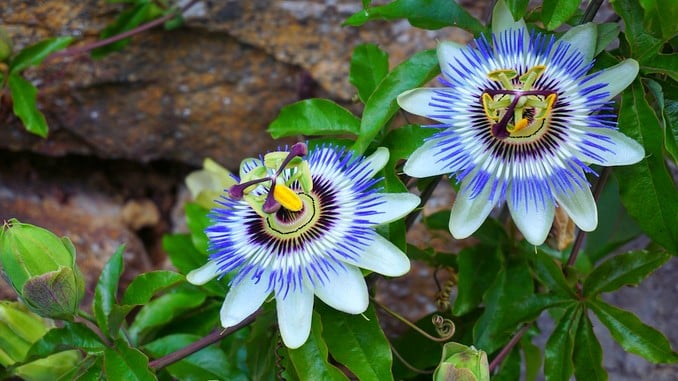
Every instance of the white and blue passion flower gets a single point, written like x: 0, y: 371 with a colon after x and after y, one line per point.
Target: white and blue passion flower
x: 521, y: 119
x: 300, y: 224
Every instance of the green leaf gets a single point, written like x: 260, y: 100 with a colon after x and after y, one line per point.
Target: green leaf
x: 625, y: 269
x: 478, y: 267
x: 607, y: 33
x: 550, y: 274
x: 125, y: 363
x: 512, y: 286
x: 197, y: 220
x: 660, y: 17
x: 161, y: 311
x: 107, y: 289
x: 310, y: 360
x: 517, y: 8
x: 401, y: 142
x: 24, y: 98
x: 357, y: 342
x: 209, y: 363
x: 382, y: 105
x: 588, y: 354
x: 70, y: 336
x: 314, y: 117
x: 418, y: 350
x: 665, y: 64
x: 647, y: 188
x: 642, y: 44
x: 182, y: 253
x: 633, y: 335
x: 127, y: 20
x: 533, y: 358
x: 558, y: 365
x: 89, y: 369
x: 144, y: 286
x: 509, y: 370
x: 262, y: 345
x: 369, y: 65
x: 431, y: 14
x: 35, y: 54
x: 555, y: 12
x: 671, y: 128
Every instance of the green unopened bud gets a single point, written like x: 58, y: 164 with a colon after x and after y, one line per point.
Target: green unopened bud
x: 5, y: 45
x: 19, y: 329
x: 41, y: 268
x: 207, y: 184
x: 462, y: 363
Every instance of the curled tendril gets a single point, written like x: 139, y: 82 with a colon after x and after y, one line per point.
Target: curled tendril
x: 444, y: 327
x: 414, y: 326
x: 279, y: 357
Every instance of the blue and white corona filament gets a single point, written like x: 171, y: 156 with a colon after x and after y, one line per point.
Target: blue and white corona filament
x: 521, y: 120
x: 301, y: 224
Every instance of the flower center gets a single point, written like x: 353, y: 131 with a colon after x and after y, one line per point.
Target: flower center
x: 280, y: 170
x: 517, y: 111
x: 285, y: 222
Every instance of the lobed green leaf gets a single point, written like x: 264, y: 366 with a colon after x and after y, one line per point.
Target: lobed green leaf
x: 647, y: 188
x: 24, y: 99
x: 209, y: 363
x: 310, y: 361
x: 105, y: 292
x: 369, y: 65
x: 478, y: 266
x: 558, y: 365
x: 382, y: 105
x: 625, y: 269
x: 633, y: 335
x: 432, y: 14
x: 588, y: 354
x: 555, y: 12
x: 314, y: 117
x: 357, y: 342
x: 126, y: 363
x: 144, y: 286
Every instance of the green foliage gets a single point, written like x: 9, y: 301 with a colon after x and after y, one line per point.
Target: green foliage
x: 382, y: 106
x: 647, y: 189
x: 558, y: 365
x: 310, y: 361
x: 34, y: 55
x: 555, y: 12
x: 428, y: 14
x: 128, y: 19
x: 24, y: 97
x: 478, y: 267
x: 625, y: 269
x: 588, y: 354
x: 369, y: 65
x: 105, y: 294
x: 123, y: 362
x: 314, y: 117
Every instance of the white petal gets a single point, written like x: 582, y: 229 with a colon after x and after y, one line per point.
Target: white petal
x: 393, y: 206
x: 581, y: 207
x: 502, y: 20
x: 382, y: 257
x: 345, y: 291
x: 451, y: 54
x: 295, y: 312
x: 424, y: 163
x: 418, y: 101
x: 242, y: 300
x: 376, y: 161
x: 468, y: 214
x: 203, y: 274
x: 535, y: 223
x: 583, y: 38
x: 619, y: 150
x: 617, y: 78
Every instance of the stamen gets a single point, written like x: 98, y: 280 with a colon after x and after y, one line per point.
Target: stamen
x: 288, y: 198
x: 520, y: 125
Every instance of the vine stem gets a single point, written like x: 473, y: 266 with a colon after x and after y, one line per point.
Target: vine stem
x: 206, y: 341
x: 412, y: 325
x: 591, y: 11
x: 77, y: 50
x: 579, y: 240
x: 507, y: 349
x: 425, y: 195
x: 94, y: 328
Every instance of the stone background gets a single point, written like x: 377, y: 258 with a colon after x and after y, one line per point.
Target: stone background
x: 126, y: 129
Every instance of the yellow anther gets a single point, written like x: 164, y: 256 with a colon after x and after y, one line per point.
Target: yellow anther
x: 546, y: 111
x: 288, y: 198
x: 520, y: 125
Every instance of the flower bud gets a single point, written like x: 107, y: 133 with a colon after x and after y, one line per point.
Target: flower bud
x: 41, y: 268
x: 5, y: 46
x: 460, y: 362
x: 208, y: 183
x: 19, y: 329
